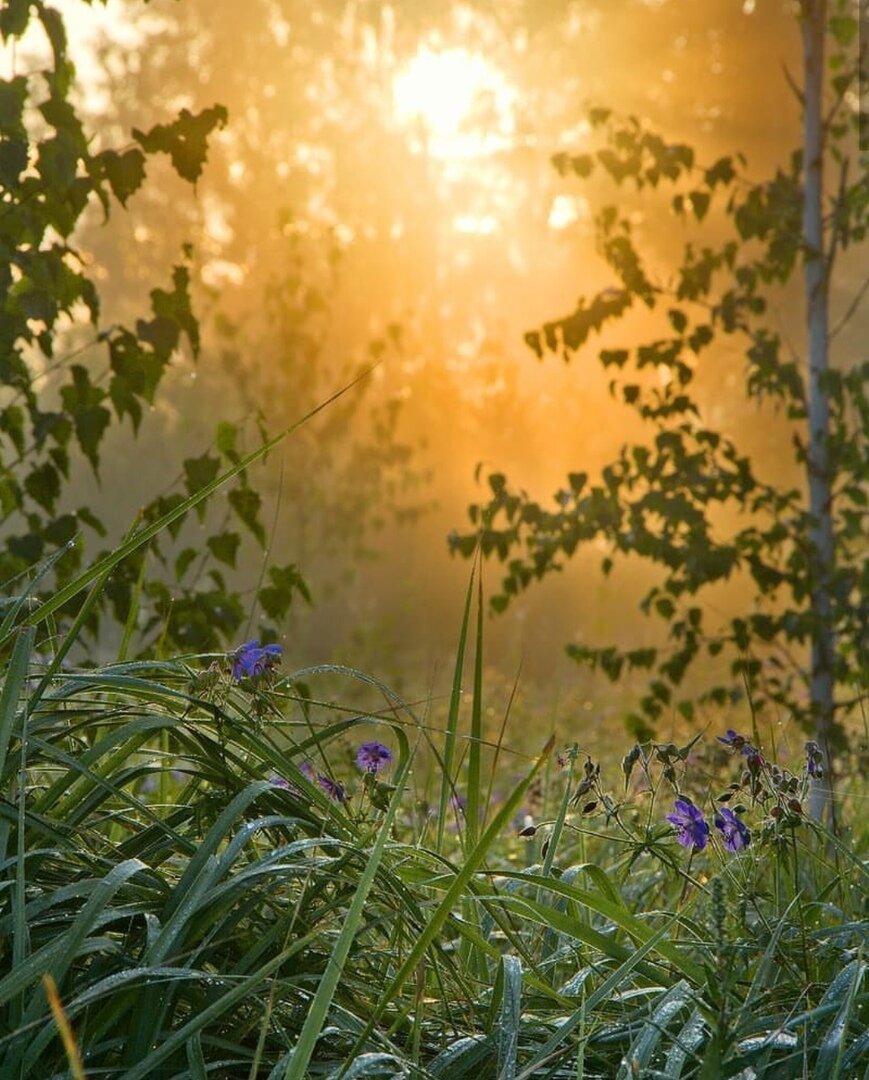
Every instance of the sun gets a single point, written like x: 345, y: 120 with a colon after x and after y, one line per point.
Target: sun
x: 462, y: 103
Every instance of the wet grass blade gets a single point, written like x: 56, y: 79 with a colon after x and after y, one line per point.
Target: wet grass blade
x: 507, y: 1037
x: 13, y: 685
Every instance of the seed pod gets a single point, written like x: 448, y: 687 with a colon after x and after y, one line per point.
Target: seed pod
x: 528, y: 831
x: 795, y: 805
x: 590, y: 806
x: 776, y: 813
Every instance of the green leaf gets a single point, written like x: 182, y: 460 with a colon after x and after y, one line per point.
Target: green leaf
x: 224, y: 547
x: 277, y: 597
x: 182, y: 563
x: 125, y: 171
x: 43, y: 486
x: 90, y: 519
x: 12, y: 422
x: 225, y: 441
x: 699, y: 203
x: 14, y: 17
x: 843, y: 28
x: 200, y: 471
x: 185, y: 140
x: 172, y: 516
x: 13, y: 161
x: 83, y: 401
x: 246, y: 504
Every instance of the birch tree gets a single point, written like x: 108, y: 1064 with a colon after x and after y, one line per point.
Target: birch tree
x: 801, y: 647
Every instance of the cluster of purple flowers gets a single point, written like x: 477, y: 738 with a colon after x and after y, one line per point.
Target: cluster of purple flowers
x: 692, y: 829
x: 252, y: 660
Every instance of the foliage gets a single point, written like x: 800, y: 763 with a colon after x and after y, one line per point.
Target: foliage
x: 687, y: 499
x: 205, y: 905
x: 57, y: 397
x: 279, y: 305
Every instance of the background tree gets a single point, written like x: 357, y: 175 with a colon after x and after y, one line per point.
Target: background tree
x: 67, y: 380
x: 688, y: 499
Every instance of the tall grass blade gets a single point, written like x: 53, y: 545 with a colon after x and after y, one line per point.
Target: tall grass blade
x: 447, y: 781
x: 13, y: 684
x: 71, y: 636
x: 473, y: 803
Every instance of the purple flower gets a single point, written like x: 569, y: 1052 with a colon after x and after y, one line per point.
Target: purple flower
x: 333, y: 789
x: 736, y: 741
x: 691, y: 829
x: 252, y: 659
x: 279, y: 781
x: 814, y: 759
x: 735, y: 834
x: 373, y: 756
x: 307, y: 770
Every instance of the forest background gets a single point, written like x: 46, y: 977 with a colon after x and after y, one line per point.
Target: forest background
x: 383, y: 191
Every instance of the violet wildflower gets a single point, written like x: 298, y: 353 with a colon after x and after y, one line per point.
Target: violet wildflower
x: 814, y: 759
x: 307, y: 770
x: 252, y: 659
x: 279, y: 781
x: 373, y: 756
x: 735, y: 833
x: 333, y: 789
x: 736, y: 741
x: 691, y: 828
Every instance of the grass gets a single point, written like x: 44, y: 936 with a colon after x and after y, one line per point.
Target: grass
x: 205, y: 909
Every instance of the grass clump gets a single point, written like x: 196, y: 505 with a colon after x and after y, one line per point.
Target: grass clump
x: 213, y: 869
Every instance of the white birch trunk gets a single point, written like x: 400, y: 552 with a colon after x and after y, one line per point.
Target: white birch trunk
x: 819, y: 479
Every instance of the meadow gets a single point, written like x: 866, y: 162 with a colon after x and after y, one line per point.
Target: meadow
x: 221, y: 862
x: 213, y: 867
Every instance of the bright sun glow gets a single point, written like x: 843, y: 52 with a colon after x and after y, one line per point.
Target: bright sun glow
x: 461, y: 101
